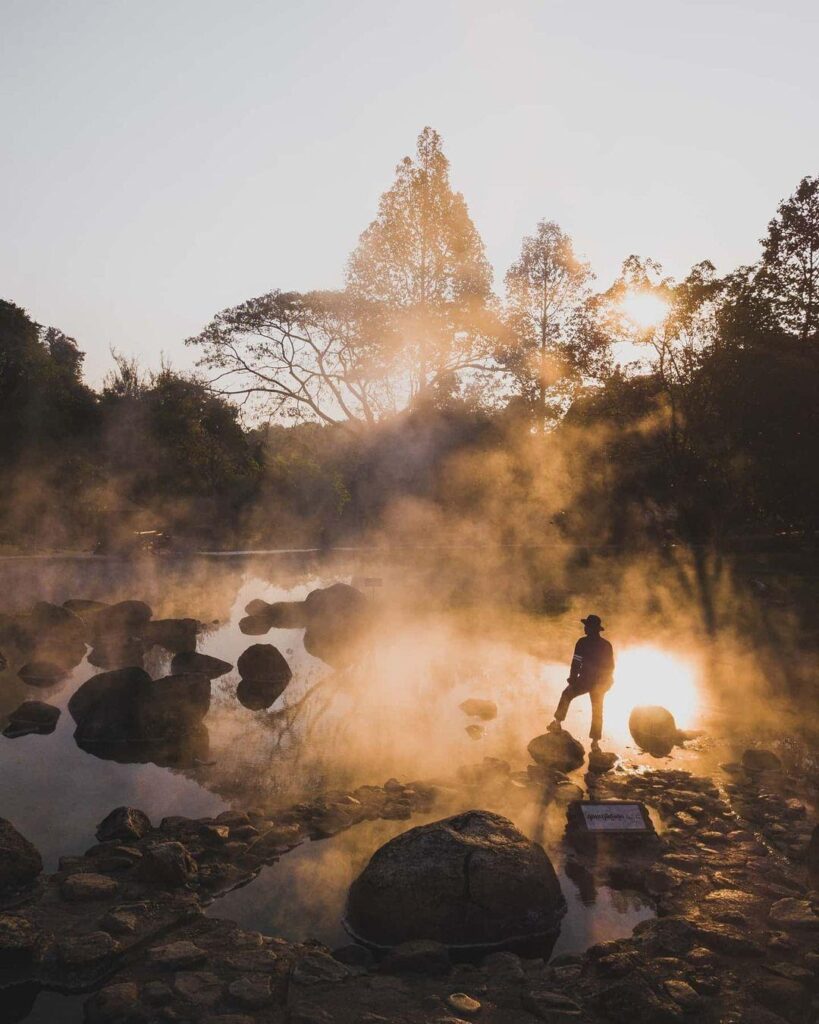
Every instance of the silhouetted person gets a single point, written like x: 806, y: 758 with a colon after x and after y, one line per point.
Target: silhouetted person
x: 592, y: 672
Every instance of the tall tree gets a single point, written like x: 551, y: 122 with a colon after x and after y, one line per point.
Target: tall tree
x: 546, y: 289
x: 789, y: 271
x: 321, y: 356
x: 423, y: 258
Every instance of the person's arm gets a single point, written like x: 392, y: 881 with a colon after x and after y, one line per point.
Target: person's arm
x: 577, y: 662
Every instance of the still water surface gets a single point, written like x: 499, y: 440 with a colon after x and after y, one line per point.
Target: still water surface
x: 395, y: 714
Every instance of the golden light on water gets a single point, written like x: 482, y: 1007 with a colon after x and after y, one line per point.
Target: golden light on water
x: 644, y: 309
x: 650, y: 675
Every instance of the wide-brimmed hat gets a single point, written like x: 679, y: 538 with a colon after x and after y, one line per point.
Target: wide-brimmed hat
x: 594, y: 622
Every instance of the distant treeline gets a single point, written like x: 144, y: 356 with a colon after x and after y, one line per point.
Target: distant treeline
x: 416, y: 402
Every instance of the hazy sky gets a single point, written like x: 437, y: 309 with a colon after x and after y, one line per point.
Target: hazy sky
x: 163, y: 159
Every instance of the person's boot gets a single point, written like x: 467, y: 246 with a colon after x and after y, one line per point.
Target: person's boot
x: 554, y: 726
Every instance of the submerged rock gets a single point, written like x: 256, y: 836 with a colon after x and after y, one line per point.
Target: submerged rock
x: 474, y: 707
x: 199, y: 664
x: 654, y: 730
x: 20, y: 862
x: 32, y: 717
x: 475, y: 732
x: 559, y: 750
x: 469, y: 880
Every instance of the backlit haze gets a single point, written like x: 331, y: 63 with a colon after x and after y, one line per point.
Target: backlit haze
x: 163, y: 160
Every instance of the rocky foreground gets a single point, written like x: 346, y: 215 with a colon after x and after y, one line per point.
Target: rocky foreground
x: 735, y: 940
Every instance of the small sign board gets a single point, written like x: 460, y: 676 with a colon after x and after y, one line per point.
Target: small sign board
x: 610, y: 817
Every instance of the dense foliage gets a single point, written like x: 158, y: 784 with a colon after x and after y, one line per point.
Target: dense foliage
x: 414, y: 400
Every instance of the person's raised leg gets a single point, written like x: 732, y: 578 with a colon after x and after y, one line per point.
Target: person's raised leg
x: 562, y: 709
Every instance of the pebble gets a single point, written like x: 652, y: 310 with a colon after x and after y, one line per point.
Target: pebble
x: 462, y: 1003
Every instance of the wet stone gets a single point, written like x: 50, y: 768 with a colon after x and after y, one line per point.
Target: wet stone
x: 87, y: 886
x: 176, y: 955
x: 168, y: 864
x: 115, y: 1004
x: 317, y: 969
x: 86, y: 950
x: 791, y: 913
x: 251, y: 992
x: 124, y: 824
x: 119, y: 922
x: 252, y: 960
x: 683, y: 994
x: 549, y: 1006
x: 157, y: 993
x: 198, y: 987
x: 17, y: 937
x: 20, y: 863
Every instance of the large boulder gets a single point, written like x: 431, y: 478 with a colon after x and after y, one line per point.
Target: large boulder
x: 127, y: 706
x: 264, y: 663
x: 20, y: 863
x: 469, y: 880
x: 557, y: 750
x: 338, y: 622
x: 654, y: 730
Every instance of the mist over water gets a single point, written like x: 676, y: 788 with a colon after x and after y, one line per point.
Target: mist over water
x: 393, y: 713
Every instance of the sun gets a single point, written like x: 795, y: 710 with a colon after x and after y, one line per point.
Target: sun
x: 644, y: 309
x: 650, y: 675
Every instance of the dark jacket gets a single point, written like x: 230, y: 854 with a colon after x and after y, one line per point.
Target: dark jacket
x: 592, y: 664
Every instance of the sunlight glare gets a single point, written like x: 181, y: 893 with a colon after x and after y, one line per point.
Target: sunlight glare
x: 644, y: 309
x: 649, y: 675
